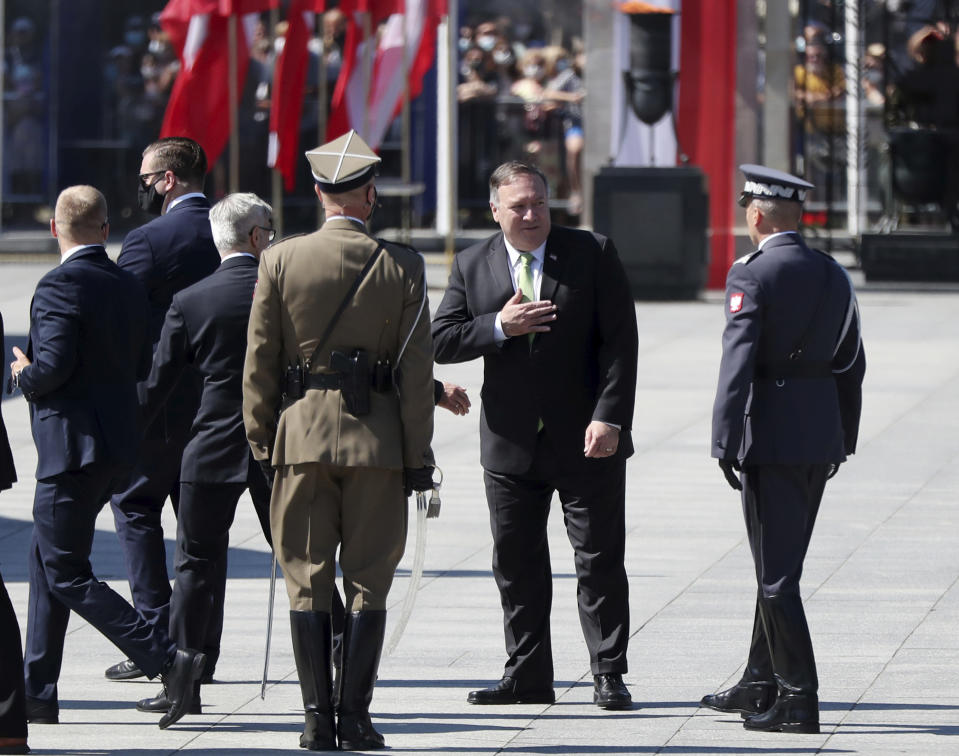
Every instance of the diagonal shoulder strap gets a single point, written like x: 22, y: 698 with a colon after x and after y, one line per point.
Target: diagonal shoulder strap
x: 800, y: 346
x: 345, y: 303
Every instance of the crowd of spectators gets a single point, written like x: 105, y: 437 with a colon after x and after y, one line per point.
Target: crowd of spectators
x: 519, y: 98
x: 25, y: 114
x: 141, y: 69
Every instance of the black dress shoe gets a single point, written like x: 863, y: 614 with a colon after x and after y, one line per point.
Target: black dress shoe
x: 506, y: 691
x: 744, y: 698
x: 125, y: 670
x: 609, y: 692
x: 160, y: 704
x: 179, y: 677
x: 42, y: 712
x: 792, y: 712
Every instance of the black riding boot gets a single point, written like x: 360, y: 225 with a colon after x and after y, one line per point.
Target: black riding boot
x: 797, y: 704
x: 362, y: 643
x: 312, y: 647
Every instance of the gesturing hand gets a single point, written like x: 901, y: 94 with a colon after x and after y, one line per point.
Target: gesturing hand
x: 518, y: 317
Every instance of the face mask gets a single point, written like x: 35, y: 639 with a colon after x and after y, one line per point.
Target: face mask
x: 149, y: 199
x: 486, y: 42
x: 503, y: 57
x: 464, y: 44
x: 532, y: 72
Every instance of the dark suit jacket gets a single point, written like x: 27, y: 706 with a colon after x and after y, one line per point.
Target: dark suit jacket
x: 8, y: 474
x: 168, y: 254
x: 773, y: 298
x: 88, y: 345
x: 583, y: 369
x: 205, y: 330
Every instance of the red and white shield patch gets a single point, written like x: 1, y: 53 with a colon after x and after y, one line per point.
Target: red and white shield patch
x: 736, y: 301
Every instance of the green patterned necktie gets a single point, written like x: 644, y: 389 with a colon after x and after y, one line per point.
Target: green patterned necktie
x: 525, y: 282
x: 525, y: 277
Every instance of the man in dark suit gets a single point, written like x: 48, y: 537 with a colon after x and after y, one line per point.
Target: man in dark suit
x: 13, y: 713
x: 205, y: 330
x: 786, y: 415
x: 167, y: 254
x: 88, y: 346
x: 549, y: 311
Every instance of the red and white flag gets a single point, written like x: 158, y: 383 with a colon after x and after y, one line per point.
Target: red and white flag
x: 199, y: 105
x: 288, y: 85
x: 369, y: 106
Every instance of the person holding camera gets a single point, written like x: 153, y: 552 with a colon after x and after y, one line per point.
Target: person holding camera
x: 338, y: 398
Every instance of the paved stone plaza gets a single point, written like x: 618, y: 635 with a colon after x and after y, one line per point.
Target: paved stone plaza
x: 881, y: 582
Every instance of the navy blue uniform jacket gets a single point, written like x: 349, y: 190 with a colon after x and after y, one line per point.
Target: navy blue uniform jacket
x: 168, y: 254
x: 583, y: 369
x: 773, y: 298
x: 205, y: 331
x: 89, y: 346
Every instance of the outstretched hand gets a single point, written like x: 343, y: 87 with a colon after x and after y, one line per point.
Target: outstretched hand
x: 454, y: 399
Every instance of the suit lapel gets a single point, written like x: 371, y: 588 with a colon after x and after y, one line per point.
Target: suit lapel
x: 554, y: 262
x: 498, y: 262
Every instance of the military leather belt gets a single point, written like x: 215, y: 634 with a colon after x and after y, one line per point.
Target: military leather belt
x: 793, y: 369
x: 338, y: 381
x: 325, y: 380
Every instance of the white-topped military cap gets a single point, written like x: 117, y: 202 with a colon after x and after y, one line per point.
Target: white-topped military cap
x: 768, y: 183
x: 343, y: 164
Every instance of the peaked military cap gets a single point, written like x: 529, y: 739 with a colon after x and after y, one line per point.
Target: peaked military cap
x: 343, y: 164
x: 768, y: 183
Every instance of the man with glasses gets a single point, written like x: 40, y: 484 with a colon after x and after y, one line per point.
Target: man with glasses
x: 167, y: 254
x: 205, y: 329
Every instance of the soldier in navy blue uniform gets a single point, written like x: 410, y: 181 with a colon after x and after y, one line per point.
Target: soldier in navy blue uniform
x: 785, y: 417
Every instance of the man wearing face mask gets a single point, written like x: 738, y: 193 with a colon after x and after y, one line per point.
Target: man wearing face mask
x: 167, y: 254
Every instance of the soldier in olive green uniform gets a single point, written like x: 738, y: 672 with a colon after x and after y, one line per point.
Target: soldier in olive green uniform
x: 358, y: 434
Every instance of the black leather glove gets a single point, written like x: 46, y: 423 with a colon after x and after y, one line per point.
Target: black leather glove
x: 833, y: 469
x: 417, y: 479
x: 730, y: 467
x: 269, y: 471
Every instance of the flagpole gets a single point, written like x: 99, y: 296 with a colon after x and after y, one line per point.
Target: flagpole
x: 275, y: 176
x: 234, y: 177
x: 406, y: 170
x: 323, y: 96
x: 446, y: 111
x: 368, y: 52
